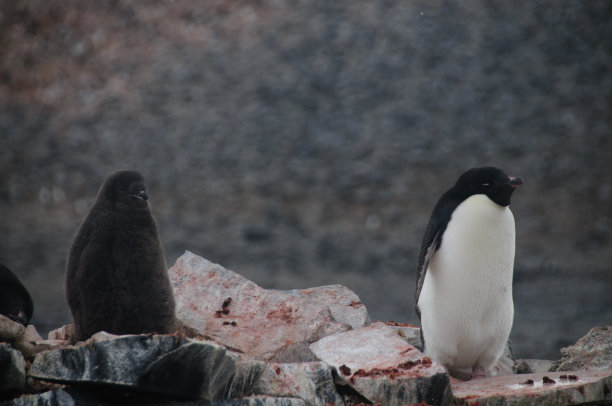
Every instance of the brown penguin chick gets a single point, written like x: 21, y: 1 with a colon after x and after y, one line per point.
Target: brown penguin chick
x: 116, y: 274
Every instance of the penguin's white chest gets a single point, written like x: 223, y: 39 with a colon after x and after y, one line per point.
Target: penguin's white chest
x: 466, y: 299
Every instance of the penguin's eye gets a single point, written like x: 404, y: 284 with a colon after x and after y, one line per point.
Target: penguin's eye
x: 486, y: 184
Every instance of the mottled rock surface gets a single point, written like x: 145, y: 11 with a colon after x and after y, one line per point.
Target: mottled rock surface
x: 62, y: 333
x: 76, y: 397
x: 25, y: 339
x: 166, y: 365
x: 593, y: 351
x: 219, y: 303
x: 12, y: 369
x: 247, y: 373
x: 311, y: 381
x: 384, y: 368
x: 541, y: 389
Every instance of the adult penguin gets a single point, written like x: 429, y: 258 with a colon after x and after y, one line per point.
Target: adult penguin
x: 15, y: 300
x: 464, y: 275
x: 116, y: 273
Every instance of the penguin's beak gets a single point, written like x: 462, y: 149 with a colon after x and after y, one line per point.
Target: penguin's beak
x: 515, y: 182
x: 142, y: 195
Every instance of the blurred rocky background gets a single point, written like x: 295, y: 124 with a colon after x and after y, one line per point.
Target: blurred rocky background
x: 303, y: 143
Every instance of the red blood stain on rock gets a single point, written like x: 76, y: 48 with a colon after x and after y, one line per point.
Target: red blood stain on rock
x: 345, y: 370
x: 224, y: 308
x: 392, y: 372
x: 231, y: 323
x: 426, y: 362
x: 193, y: 307
x: 581, y: 390
x: 277, y: 370
x: 528, y: 382
x: 406, y: 351
x: 283, y: 313
x: 409, y: 364
x: 355, y: 303
x: 547, y: 380
x: 572, y: 377
x: 397, y: 324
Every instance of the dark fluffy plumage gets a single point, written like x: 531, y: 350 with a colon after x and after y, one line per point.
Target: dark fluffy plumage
x: 15, y: 300
x: 116, y: 273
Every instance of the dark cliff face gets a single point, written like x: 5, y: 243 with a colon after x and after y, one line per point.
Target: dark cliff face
x: 304, y: 144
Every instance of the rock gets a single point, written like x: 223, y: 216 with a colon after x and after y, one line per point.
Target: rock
x: 62, y: 333
x: 593, y: 351
x: 58, y: 397
x: 96, y: 338
x: 298, y: 352
x: 10, y: 331
x: 529, y: 366
x: 542, y: 389
x: 248, y: 372
x: 12, y: 369
x: 32, y: 335
x: 25, y: 339
x: 21, y: 338
x: 166, y: 365
x: 409, y: 332
x: 311, y: 381
x: 78, y: 397
x: 383, y: 367
x: 234, y: 311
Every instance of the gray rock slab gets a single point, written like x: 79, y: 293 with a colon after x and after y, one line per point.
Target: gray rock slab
x: 383, y: 367
x: 529, y: 366
x: 12, y: 369
x: 166, y: 365
x: 593, y: 351
x: 247, y: 373
x: 76, y: 397
x: 233, y: 310
x: 541, y: 389
x: 410, y: 333
x: 311, y: 381
x: 58, y: 397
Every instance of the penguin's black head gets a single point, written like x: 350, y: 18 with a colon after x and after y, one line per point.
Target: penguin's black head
x: 489, y: 181
x: 125, y: 190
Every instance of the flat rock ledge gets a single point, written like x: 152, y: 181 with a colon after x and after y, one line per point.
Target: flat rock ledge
x: 383, y: 367
x: 541, y: 389
x: 165, y: 365
x: 240, y: 344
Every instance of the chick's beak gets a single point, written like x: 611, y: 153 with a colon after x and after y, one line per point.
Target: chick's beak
x: 142, y: 195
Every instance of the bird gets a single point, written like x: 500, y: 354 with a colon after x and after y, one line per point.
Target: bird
x: 116, y: 273
x: 15, y: 300
x: 464, y: 274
